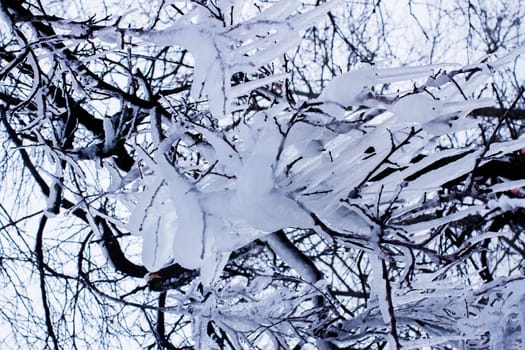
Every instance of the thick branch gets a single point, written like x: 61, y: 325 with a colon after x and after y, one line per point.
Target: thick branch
x: 115, y: 253
x: 161, y: 329
x: 491, y: 112
x: 294, y: 257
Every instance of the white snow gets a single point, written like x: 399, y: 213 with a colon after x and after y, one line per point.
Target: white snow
x: 350, y: 89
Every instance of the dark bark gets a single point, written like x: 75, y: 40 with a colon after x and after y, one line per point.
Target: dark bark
x: 39, y: 249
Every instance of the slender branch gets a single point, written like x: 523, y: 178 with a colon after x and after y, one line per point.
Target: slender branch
x: 41, y: 269
x: 392, y: 316
x: 23, y: 153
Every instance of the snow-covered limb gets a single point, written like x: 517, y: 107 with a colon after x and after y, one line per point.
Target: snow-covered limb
x: 353, y: 88
x: 290, y: 254
x: 220, y: 52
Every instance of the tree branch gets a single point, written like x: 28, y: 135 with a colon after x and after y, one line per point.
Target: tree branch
x: 41, y: 264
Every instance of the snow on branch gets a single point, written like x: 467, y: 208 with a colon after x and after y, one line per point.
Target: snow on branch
x: 221, y: 50
x: 319, y: 166
x: 371, y: 211
x: 291, y: 166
